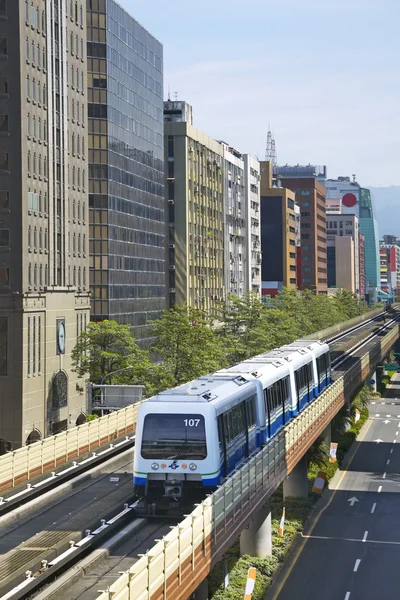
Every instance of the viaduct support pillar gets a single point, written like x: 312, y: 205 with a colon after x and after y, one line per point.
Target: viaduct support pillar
x: 256, y: 540
x: 373, y: 382
x: 296, y: 484
x: 327, y: 435
x: 201, y: 592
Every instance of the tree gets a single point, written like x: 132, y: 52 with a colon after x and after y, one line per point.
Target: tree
x: 187, y: 345
x: 106, y: 347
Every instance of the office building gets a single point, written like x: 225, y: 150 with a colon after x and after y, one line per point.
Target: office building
x: 195, y: 213
x: 343, y: 236
x: 126, y: 169
x: 390, y: 268
x: 307, y: 183
x: 279, y: 231
x: 252, y: 223
x: 361, y: 253
x: 236, y: 260
x: 44, y: 298
x: 356, y: 200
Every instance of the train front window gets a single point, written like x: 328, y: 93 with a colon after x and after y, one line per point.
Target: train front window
x: 173, y: 437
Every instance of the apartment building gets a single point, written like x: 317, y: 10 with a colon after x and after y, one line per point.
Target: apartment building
x: 343, y: 269
x: 252, y: 223
x: 279, y: 232
x: 195, y: 209
x: 44, y: 265
x: 307, y: 183
x: 126, y: 169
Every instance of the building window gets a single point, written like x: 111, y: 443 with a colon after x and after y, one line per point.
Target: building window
x: 3, y: 45
x: 26, y: 11
x: 28, y: 87
x: 29, y: 347
x: 4, y: 238
x: 4, y: 276
x: 3, y: 84
x: 39, y: 353
x: 33, y: 345
x: 4, y: 162
x: 4, y: 200
x: 3, y: 346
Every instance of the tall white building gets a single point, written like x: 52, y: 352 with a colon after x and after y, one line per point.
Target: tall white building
x: 253, y: 235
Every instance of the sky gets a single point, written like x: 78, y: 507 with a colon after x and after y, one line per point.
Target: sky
x: 324, y: 75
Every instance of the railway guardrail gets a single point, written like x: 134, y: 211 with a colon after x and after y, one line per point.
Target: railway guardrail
x: 177, y: 564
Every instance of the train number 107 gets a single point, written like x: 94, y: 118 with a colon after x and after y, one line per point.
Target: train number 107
x: 191, y: 422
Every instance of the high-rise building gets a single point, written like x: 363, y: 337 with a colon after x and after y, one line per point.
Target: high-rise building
x: 307, y: 183
x: 195, y: 213
x: 213, y: 199
x: 252, y: 223
x: 361, y: 252
x: 356, y: 200
x: 343, y: 271
x: 236, y: 258
x: 279, y: 231
x: 126, y: 169
x: 390, y: 266
x: 44, y: 298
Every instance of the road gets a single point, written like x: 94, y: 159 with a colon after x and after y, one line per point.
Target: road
x: 352, y: 549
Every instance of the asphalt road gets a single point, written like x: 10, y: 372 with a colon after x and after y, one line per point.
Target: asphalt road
x: 352, y: 549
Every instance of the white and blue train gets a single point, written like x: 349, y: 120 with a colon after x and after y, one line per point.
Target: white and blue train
x: 191, y: 438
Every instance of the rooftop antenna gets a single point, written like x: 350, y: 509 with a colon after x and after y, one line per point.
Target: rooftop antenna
x: 270, y: 152
x: 169, y: 94
x: 354, y: 177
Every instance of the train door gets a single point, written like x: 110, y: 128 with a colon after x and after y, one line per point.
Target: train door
x: 222, y: 446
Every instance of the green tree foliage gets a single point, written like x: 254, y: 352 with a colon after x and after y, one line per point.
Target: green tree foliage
x: 187, y: 345
x: 106, y: 347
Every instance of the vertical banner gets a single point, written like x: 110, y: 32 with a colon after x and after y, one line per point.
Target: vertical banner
x: 332, y: 452
x: 251, y: 579
x: 282, y: 523
x: 357, y: 415
x: 319, y: 482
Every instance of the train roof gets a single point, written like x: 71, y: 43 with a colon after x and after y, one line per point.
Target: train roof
x: 297, y: 357
x: 315, y: 345
x: 206, y: 389
x: 270, y: 367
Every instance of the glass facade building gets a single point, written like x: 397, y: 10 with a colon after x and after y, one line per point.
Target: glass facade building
x: 369, y: 229
x: 126, y: 168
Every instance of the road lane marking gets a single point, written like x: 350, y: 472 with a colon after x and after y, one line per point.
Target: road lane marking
x: 357, y: 565
x: 318, y: 516
x: 373, y: 508
x: 347, y: 596
x: 357, y: 540
x: 384, y: 475
x: 388, y: 461
x: 394, y: 441
x: 391, y: 452
x: 365, y: 536
x: 379, y: 489
x: 397, y: 433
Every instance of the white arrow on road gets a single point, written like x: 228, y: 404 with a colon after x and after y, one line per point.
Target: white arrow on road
x: 386, y: 422
x: 378, y: 441
x: 353, y: 500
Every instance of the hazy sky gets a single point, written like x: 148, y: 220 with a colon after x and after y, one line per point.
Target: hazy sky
x: 325, y: 74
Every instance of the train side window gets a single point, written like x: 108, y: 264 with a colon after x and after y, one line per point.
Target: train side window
x: 240, y: 417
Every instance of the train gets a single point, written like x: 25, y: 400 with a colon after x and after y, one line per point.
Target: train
x: 191, y: 438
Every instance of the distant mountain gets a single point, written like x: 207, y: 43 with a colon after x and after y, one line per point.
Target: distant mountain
x: 387, y: 207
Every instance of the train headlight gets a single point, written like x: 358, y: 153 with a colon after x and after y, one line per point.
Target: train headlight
x: 192, y: 467
x: 155, y: 466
